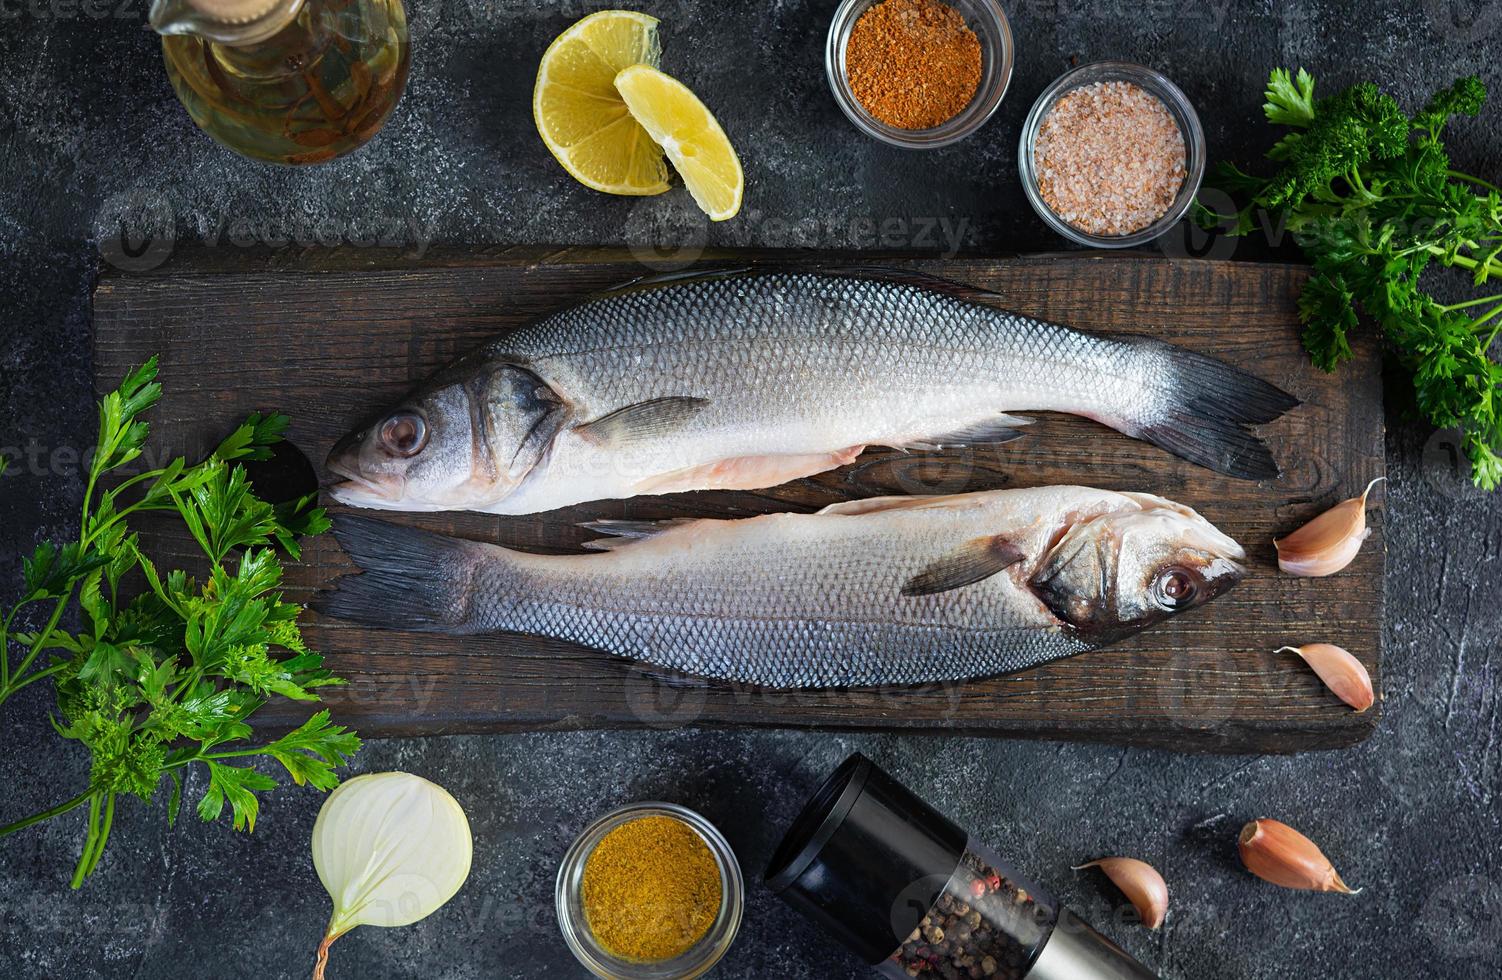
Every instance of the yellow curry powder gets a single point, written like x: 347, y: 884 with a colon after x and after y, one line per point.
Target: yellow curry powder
x: 651, y: 889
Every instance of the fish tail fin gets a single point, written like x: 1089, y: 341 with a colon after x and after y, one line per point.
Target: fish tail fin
x: 1206, y: 410
x: 409, y: 579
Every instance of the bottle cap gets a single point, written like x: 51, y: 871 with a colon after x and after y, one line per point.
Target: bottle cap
x: 234, y: 11
x: 234, y: 22
x: 866, y: 859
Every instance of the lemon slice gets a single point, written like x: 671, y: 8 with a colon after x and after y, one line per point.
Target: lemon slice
x: 581, y: 116
x: 689, y: 134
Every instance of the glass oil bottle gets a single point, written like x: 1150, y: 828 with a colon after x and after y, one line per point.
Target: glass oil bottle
x: 287, y: 81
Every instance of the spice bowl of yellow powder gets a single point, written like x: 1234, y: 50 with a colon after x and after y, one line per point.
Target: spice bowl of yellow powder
x: 919, y: 74
x: 651, y: 891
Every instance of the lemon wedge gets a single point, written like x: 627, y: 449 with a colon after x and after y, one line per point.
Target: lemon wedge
x: 581, y: 116
x: 694, y: 142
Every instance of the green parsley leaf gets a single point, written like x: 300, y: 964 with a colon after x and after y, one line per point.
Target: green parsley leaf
x: 1290, y: 102
x: 1372, y: 199
x: 169, y: 671
x: 238, y: 785
x: 254, y: 438
x: 1328, y: 310
x: 50, y: 571
x: 311, y: 752
x: 1463, y: 98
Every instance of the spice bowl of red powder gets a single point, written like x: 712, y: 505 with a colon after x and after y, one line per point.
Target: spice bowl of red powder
x: 1112, y: 155
x: 919, y: 74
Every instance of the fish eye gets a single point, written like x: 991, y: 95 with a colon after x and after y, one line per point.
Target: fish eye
x: 404, y: 434
x: 1176, y: 587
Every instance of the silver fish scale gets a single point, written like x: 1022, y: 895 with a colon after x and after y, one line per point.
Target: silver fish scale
x: 803, y: 362
x: 781, y: 601
x: 811, y: 654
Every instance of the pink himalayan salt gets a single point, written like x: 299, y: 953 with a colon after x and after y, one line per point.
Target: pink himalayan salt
x: 1109, y: 158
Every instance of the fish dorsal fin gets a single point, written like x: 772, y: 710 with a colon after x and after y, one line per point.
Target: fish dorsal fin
x: 927, y: 501
x: 923, y: 280
x: 657, y: 280
x: 892, y: 274
x: 871, y: 505
x: 641, y: 421
x: 992, y: 431
x: 625, y: 532
x: 977, y: 559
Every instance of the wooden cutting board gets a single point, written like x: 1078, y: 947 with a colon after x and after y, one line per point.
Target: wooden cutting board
x: 329, y: 339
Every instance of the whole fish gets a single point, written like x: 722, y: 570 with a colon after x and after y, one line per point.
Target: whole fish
x: 743, y: 380
x: 892, y: 590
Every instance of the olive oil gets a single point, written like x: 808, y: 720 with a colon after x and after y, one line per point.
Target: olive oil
x: 320, y: 84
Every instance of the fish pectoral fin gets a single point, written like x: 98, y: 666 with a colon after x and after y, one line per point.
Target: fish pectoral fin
x: 641, y: 421
x: 975, y: 560
x: 624, y: 532
x: 749, y: 472
x: 993, y: 431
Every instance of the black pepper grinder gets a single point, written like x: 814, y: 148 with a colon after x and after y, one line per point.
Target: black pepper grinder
x: 916, y: 896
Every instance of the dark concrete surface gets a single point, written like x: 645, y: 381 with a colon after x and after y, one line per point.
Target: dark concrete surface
x: 92, y: 143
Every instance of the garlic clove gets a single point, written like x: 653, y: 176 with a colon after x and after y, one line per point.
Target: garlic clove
x: 1140, y: 883
x: 390, y: 848
x: 1277, y: 853
x: 1342, y: 673
x: 1329, y: 542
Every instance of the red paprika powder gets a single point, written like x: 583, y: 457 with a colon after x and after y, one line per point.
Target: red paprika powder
x: 913, y: 64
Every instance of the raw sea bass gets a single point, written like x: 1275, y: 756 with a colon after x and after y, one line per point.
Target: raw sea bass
x: 743, y: 380
x: 892, y: 590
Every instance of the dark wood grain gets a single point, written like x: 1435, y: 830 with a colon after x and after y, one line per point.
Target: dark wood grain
x: 332, y: 339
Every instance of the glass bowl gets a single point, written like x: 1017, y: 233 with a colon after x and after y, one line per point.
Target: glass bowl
x: 985, y: 18
x: 1178, y: 106
x: 693, y: 962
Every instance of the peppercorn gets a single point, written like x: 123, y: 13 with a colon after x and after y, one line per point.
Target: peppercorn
x: 981, y: 925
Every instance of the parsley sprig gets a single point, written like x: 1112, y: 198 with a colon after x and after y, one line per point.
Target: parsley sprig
x: 1369, y: 194
x: 169, y: 677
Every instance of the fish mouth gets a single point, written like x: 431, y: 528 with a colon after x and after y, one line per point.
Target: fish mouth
x: 1223, y: 574
x: 358, y: 490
